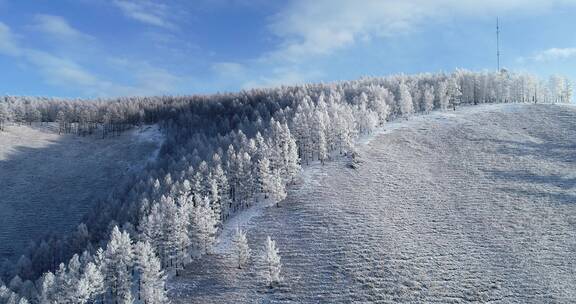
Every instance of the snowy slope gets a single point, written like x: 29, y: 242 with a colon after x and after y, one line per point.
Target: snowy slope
x: 49, y: 181
x: 473, y: 205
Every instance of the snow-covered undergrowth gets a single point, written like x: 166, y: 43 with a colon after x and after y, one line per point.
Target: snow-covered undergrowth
x: 465, y: 206
x: 50, y: 181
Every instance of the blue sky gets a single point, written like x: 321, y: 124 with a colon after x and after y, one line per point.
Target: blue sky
x: 100, y: 48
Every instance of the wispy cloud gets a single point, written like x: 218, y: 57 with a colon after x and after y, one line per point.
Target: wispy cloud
x: 8, y: 44
x: 553, y: 54
x: 306, y: 31
x: 56, y: 70
x: 58, y: 28
x: 63, y: 72
x: 146, y: 11
x: 321, y: 27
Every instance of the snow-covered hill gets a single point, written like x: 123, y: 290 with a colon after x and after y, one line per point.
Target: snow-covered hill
x: 50, y: 181
x: 473, y: 205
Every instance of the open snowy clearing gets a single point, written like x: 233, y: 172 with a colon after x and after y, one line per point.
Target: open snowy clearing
x: 49, y: 181
x: 477, y: 205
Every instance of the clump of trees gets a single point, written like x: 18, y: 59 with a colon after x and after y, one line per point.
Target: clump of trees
x: 221, y: 154
x: 124, y: 272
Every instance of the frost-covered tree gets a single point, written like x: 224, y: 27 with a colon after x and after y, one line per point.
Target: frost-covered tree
x: 556, y: 86
x: 151, y: 278
x: 4, y: 116
x: 118, y: 267
x: 454, y: 92
x: 405, y: 100
x: 271, y: 264
x: 320, y: 121
x: 245, y: 178
x: 264, y: 176
x: 428, y: 98
x: 224, y: 190
x: 241, y: 249
x: 215, y: 198
x: 292, y: 163
x: 443, y: 97
x: 175, y: 236
x: 151, y: 229
x: 203, y: 227
x: 568, y: 91
x: 46, y: 288
x: 379, y: 102
x: 366, y: 120
x: 277, y: 188
x: 91, y: 284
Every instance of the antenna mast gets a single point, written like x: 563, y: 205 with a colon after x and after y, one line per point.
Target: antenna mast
x: 498, y: 42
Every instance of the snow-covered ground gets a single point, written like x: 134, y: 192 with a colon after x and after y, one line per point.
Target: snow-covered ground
x: 477, y: 205
x: 48, y: 181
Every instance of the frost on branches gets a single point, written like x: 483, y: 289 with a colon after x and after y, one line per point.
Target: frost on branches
x: 271, y: 265
x: 241, y: 250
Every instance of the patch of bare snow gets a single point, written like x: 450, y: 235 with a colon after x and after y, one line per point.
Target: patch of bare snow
x: 150, y: 134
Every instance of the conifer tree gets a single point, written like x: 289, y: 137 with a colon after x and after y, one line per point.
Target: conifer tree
x: 46, y: 288
x: 442, y: 92
x: 264, y: 177
x: 203, y: 227
x: 3, y: 116
x: 271, y: 264
x: 428, y: 98
x: 277, y: 189
x: 151, y: 229
x: 405, y: 100
x: 90, y: 284
x: 223, y: 189
x: 118, y: 264
x: 320, y: 136
x: 241, y: 249
x: 151, y: 285
x: 292, y: 164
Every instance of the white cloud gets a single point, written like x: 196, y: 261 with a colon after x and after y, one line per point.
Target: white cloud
x: 60, y: 71
x: 58, y: 27
x: 145, y: 79
x: 68, y: 74
x: 308, y: 30
x: 146, y: 11
x: 321, y: 27
x: 554, y: 54
x: 8, y: 45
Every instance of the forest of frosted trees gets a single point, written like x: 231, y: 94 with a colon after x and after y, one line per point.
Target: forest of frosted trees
x: 222, y: 154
